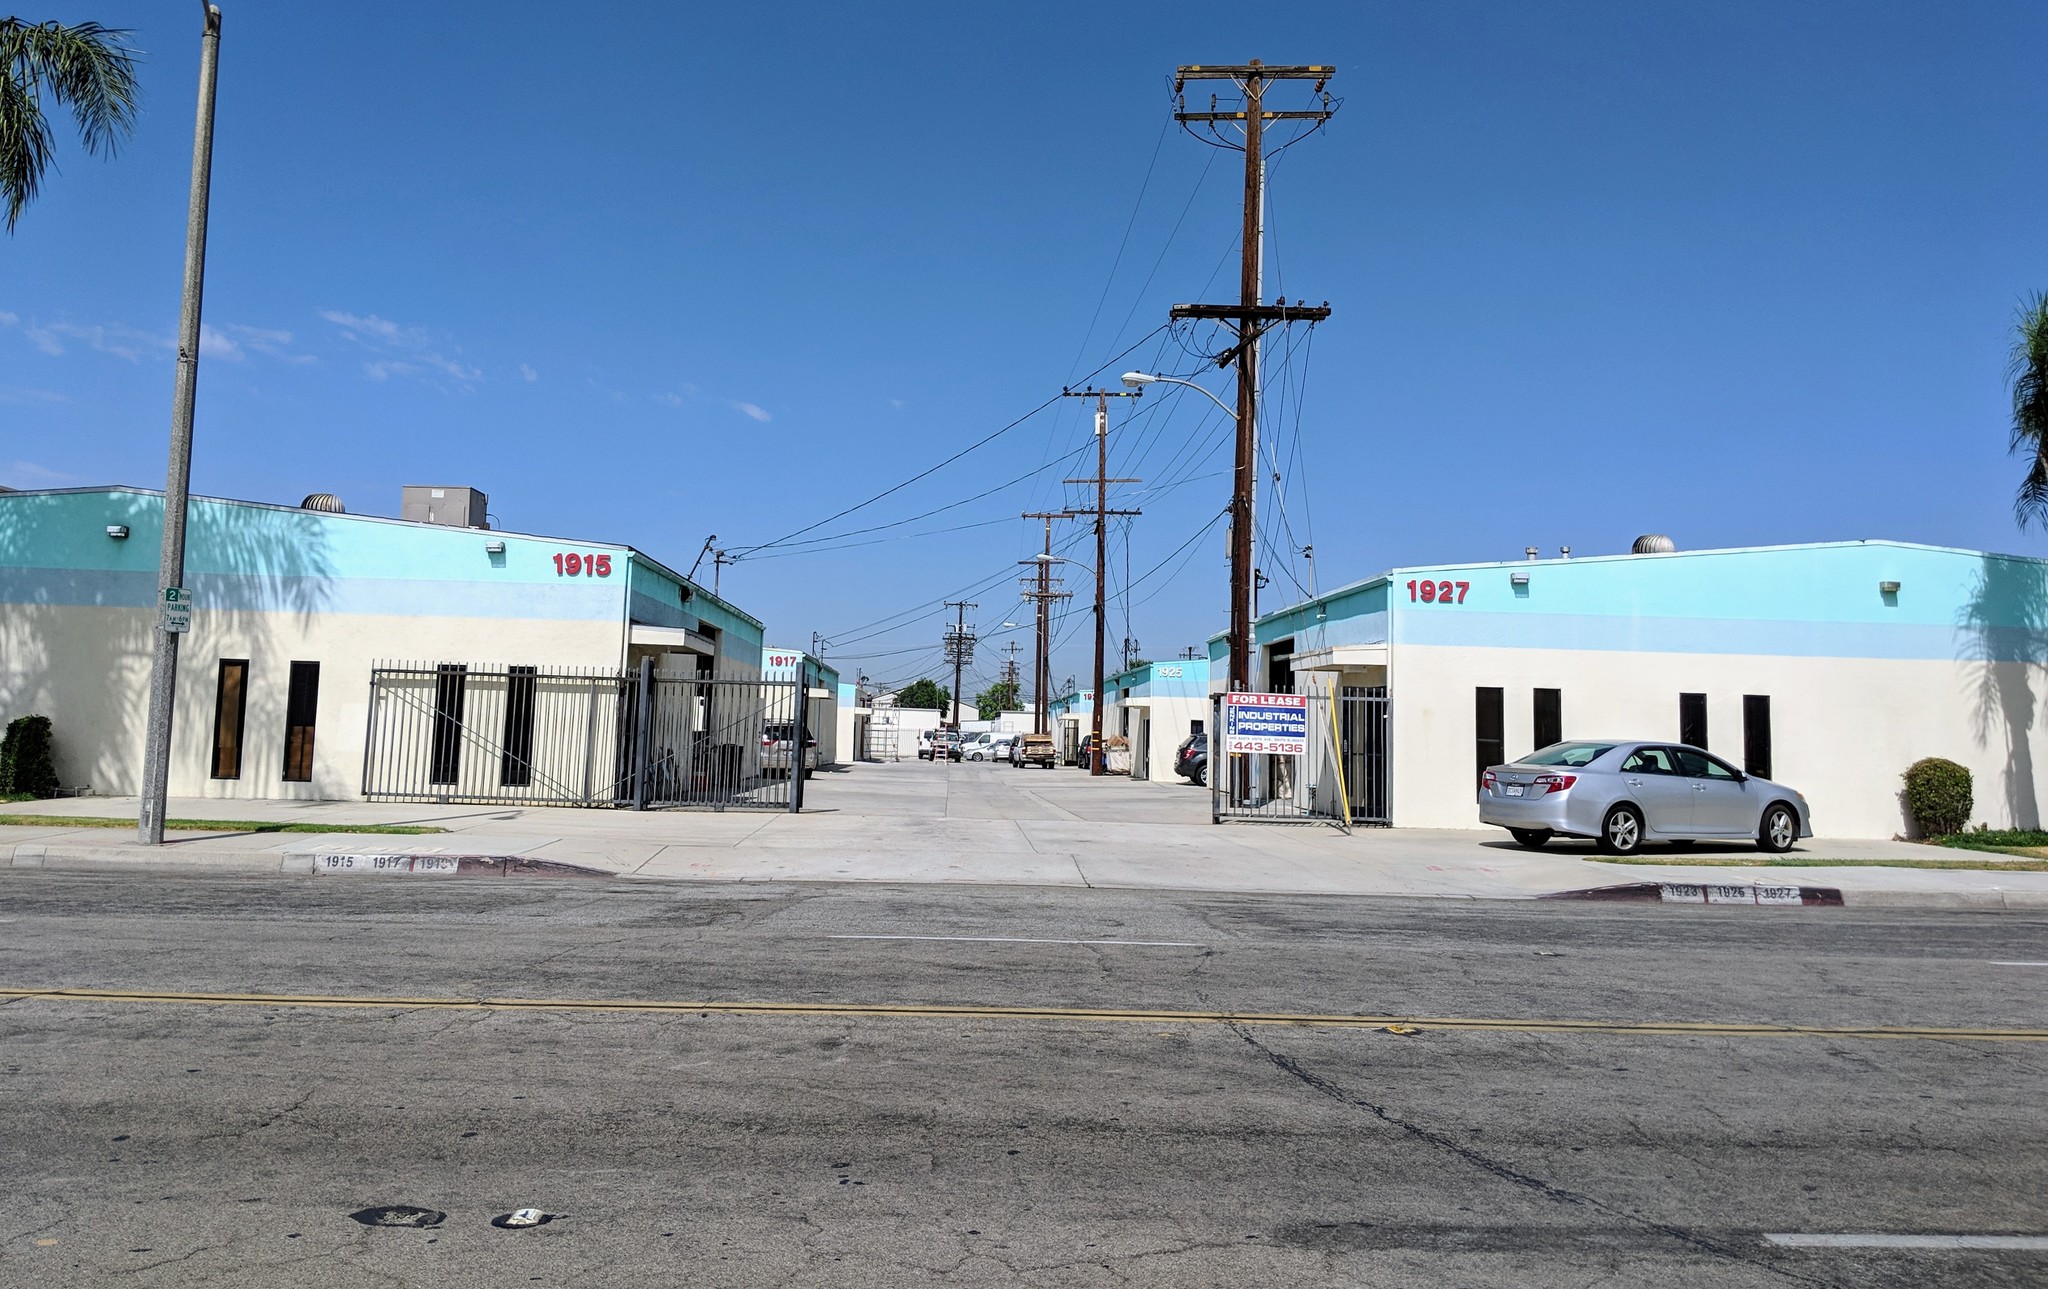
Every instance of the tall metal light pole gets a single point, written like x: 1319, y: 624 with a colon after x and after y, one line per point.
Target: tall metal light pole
x: 163, y: 663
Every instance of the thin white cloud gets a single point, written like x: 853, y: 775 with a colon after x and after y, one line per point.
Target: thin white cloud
x: 528, y: 374
x: 898, y: 404
x: 27, y: 474
x: 400, y: 350
x: 669, y: 400
x: 8, y: 319
x: 213, y: 344
x: 230, y: 342
x: 23, y: 397
x: 754, y: 410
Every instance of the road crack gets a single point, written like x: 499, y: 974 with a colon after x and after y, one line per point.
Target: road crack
x: 1507, y: 1172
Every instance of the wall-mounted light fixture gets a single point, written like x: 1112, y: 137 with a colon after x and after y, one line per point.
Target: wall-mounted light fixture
x: 494, y: 548
x: 1888, y: 588
x: 119, y: 532
x: 1519, y: 579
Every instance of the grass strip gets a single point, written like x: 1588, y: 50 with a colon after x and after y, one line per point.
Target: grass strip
x: 2010, y: 841
x: 207, y: 825
x: 2029, y: 865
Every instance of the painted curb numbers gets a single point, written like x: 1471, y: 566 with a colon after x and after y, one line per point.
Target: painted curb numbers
x: 176, y: 614
x: 388, y: 865
x: 1426, y: 591
x: 576, y: 564
x: 1269, y: 724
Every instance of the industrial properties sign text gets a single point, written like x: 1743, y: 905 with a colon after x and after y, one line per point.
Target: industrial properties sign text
x: 1273, y: 724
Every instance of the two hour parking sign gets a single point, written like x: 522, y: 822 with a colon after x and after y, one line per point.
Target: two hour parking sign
x: 1271, y: 724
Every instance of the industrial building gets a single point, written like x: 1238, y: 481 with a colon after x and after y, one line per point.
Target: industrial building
x: 1153, y: 706
x: 337, y: 656
x: 1831, y: 667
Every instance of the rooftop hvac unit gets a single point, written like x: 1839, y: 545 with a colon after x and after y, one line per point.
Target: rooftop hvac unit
x: 454, y: 507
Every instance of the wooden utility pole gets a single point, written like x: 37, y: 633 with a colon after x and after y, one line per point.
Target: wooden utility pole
x: 1010, y: 664
x: 959, y: 650
x: 1102, y: 514
x: 1041, y: 591
x: 1248, y: 317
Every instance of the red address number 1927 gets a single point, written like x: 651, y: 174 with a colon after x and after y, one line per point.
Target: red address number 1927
x: 572, y: 564
x: 1429, y: 592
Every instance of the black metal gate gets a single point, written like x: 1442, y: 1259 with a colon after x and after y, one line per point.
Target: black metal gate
x: 1368, y: 728
x: 1281, y: 789
x: 489, y: 734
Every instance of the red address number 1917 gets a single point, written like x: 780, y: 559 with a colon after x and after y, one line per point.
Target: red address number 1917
x: 1438, y: 592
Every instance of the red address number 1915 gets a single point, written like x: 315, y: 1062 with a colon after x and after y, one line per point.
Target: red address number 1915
x: 572, y: 564
x: 1438, y: 592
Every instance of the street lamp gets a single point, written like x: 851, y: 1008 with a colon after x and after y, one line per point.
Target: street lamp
x: 1139, y: 379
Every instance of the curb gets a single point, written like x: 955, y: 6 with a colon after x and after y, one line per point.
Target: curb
x: 294, y: 863
x: 1756, y: 894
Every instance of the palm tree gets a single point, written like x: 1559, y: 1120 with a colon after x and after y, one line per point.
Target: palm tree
x: 2030, y: 408
x: 87, y: 68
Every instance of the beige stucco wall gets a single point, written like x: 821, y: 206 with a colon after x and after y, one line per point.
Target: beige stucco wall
x: 1843, y: 729
x: 87, y: 668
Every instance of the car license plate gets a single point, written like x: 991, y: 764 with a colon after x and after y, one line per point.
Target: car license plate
x: 1514, y: 789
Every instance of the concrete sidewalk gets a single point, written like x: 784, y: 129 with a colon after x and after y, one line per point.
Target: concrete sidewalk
x: 915, y: 822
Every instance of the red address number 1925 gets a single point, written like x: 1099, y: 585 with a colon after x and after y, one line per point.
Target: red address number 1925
x: 1438, y: 592
x: 572, y: 564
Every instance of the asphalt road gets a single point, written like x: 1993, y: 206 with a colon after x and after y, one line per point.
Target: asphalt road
x: 156, y: 1141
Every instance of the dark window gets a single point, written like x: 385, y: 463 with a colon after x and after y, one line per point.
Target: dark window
x: 1649, y: 760
x: 1698, y: 765
x: 1549, y: 717
x: 1692, y: 719
x: 1488, y: 728
x: 451, y: 682
x: 1756, y: 734
x: 301, y: 705
x: 230, y: 704
x: 517, y: 768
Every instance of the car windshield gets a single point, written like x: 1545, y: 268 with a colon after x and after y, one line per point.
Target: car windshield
x: 1571, y: 754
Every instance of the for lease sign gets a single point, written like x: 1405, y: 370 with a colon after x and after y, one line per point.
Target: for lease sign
x: 1272, y: 724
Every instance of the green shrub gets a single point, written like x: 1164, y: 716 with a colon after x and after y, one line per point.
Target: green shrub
x: 26, y: 767
x: 1938, y: 796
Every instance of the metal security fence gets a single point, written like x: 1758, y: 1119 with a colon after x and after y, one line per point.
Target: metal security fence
x: 493, y: 734
x: 1308, y: 786
x: 1367, y: 724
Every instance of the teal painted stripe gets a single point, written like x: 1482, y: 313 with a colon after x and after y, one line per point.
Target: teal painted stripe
x: 285, y: 593
x: 1906, y: 640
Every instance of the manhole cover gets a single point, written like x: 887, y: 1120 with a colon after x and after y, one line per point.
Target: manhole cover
x: 400, y: 1215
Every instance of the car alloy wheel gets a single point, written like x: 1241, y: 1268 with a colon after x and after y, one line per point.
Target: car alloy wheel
x: 1621, y: 833
x: 1780, y: 829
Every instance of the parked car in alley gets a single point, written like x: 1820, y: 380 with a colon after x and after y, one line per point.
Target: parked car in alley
x: 983, y: 746
x: 1084, y: 752
x: 778, y: 743
x: 943, y: 744
x: 1623, y: 794
x: 999, y: 746
x: 1191, y: 759
x: 1034, y: 749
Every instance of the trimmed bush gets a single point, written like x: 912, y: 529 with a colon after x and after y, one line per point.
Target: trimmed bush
x: 26, y: 765
x: 1938, y: 796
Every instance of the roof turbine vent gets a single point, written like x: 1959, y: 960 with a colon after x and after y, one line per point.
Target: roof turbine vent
x: 1653, y: 544
x: 326, y: 501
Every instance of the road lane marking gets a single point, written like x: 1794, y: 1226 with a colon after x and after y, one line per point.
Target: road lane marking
x: 966, y: 1011
x: 1018, y: 939
x: 2020, y: 964
x: 1803, y: 1240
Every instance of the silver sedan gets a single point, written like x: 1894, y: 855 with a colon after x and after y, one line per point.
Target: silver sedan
x: 1623, y: 794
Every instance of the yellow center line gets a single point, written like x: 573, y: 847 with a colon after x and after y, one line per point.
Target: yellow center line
x: 963, y: 1011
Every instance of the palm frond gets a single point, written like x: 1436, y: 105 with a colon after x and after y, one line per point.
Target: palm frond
x: 87, y: 68
x: 2029, y: 376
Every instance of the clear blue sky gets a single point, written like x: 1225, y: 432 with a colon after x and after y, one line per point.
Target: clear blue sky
x: 1741, y: 273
